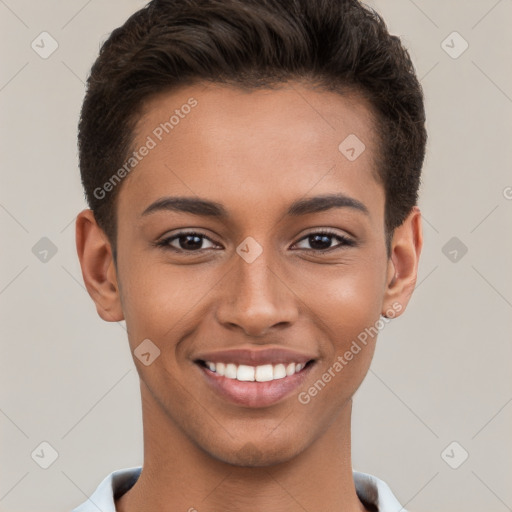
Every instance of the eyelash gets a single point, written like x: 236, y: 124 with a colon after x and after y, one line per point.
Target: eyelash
x: 344, y: 241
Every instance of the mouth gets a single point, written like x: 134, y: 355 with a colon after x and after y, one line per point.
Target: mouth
x: 251, y: 385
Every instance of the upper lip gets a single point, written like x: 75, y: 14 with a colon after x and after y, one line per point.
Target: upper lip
x: 252, y: 357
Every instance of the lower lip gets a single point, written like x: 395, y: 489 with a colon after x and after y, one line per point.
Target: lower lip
x: 252, y: 393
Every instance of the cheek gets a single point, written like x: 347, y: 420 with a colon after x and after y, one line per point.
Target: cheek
x: 344, y: 299
x: 158, y: 299
x: 354, y: 305
x: 347, y: 309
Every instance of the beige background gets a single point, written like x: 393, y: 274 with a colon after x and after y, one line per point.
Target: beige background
x: 441, y: 373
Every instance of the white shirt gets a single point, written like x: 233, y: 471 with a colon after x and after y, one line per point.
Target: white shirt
x: 370, y: 489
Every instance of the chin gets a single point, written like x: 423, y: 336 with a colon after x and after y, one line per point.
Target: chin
x: 254, y: 454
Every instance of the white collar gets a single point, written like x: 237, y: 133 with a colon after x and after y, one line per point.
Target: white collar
x: 368, y: 487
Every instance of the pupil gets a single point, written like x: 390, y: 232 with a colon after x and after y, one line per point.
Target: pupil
x: 190, y: 245
x: 319, y: 239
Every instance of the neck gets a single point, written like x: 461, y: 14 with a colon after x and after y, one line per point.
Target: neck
x: 178, y: 475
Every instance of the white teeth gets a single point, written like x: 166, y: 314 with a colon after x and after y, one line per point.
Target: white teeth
x: 220, y: 368
x: 245, y: 372
x: 279, y: 371
x: 231, y: 371
x: 290, y: 369
x: 263, y: 373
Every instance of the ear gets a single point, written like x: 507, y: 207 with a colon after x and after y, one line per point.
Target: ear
x: 403, y: 264
x: 98, y: 268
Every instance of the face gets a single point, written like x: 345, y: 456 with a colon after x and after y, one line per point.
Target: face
x: 280, y: 244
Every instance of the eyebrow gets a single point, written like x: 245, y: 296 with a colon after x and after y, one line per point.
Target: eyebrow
x: 207, y: 208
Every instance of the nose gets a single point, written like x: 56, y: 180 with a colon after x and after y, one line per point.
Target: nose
x: 256, y: 299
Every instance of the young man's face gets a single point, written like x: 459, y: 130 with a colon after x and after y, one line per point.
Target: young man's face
x: 258, y: 277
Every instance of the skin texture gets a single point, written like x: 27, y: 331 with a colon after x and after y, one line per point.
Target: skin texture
x: 255, y: 153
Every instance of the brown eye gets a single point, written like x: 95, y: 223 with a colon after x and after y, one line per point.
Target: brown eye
x: 322, y: 240
x: 188, y: 241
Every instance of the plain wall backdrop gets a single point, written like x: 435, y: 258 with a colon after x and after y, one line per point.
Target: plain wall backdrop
x: 440, y: 385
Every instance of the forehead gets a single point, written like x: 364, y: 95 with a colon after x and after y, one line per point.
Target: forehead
x: 265, y: 145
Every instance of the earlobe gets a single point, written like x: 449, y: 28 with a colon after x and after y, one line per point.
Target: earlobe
x: 403, y: 264
x: 98, y: 268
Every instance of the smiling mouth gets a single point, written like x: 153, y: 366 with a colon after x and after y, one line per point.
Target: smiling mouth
x: 261, y: 373
x: 255, y: 386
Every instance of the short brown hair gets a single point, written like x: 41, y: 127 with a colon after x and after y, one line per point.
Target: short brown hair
x: 339, y: 44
